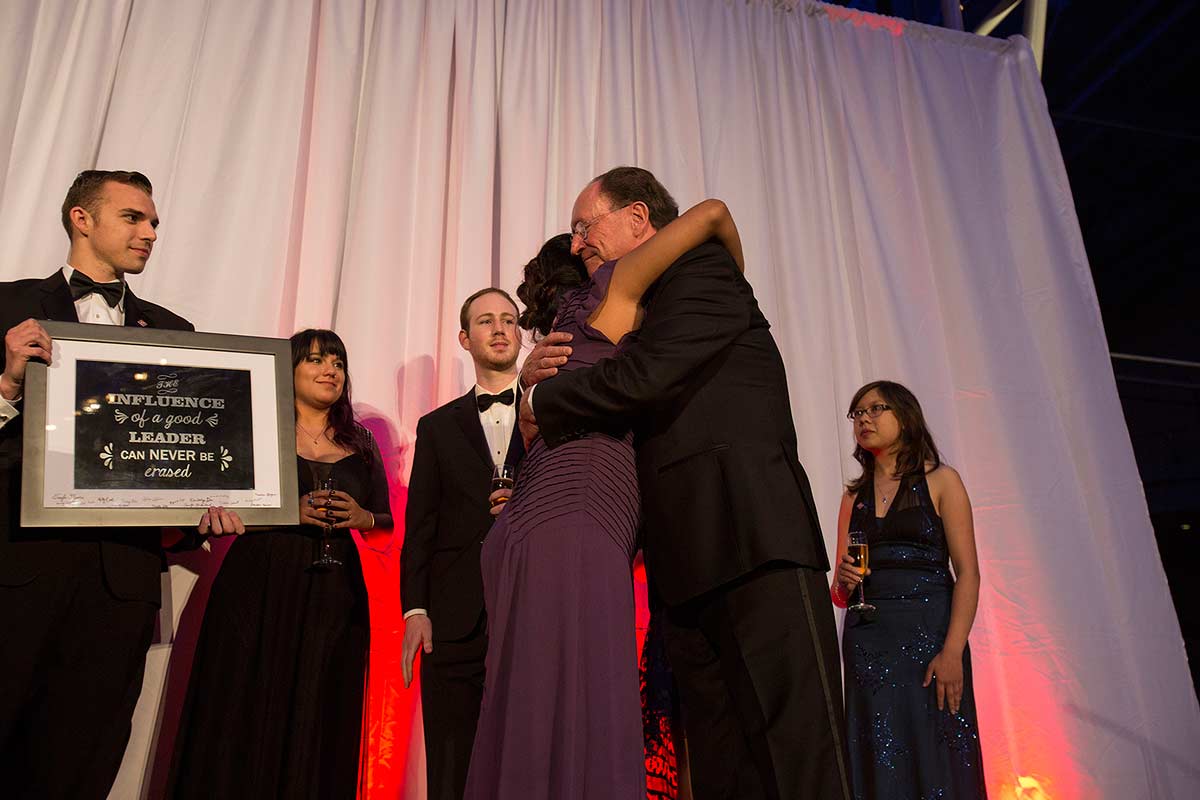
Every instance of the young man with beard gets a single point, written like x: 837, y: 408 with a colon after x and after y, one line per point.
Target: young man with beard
x: 446, y: 521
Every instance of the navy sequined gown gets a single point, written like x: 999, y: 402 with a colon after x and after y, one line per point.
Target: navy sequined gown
x: 901, y: 746
x: 561, y: 716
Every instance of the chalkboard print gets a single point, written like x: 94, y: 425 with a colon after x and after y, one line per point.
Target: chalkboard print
x: 143, y: 426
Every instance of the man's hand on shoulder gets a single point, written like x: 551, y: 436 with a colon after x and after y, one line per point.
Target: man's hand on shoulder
x: 418, y: 633
x: 22, y: 342
x: 545, y: 358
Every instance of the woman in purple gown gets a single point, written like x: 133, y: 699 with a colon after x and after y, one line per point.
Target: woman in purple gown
x: 561, y: 713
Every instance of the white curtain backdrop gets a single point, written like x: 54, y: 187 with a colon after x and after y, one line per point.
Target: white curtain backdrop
x: 367, y: 164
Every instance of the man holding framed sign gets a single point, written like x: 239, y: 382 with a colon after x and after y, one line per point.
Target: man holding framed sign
x: 77, y: 605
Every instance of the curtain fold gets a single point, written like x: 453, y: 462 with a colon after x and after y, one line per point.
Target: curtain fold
x: 905, y: 211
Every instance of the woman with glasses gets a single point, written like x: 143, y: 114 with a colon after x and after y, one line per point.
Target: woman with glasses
x: 910, y: 709
x: 561, y: 716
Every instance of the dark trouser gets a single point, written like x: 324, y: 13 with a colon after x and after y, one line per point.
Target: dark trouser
x: 760, y: 682
x: 72, y: 658
x: 451, y: 691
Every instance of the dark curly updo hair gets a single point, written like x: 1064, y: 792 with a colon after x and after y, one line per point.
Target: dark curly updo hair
x: 551, y: 272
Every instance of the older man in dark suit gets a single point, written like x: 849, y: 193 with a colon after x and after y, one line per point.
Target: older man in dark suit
x: 77, y: 605
x: 732, y: 540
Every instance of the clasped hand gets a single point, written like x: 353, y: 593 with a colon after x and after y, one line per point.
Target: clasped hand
x: 542, y: 362
x: 545, y: 358
x: 335, y: 509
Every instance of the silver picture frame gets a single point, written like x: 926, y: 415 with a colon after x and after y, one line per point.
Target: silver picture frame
x: 50, y: 469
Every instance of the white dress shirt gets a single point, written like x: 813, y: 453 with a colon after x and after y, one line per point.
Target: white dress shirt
x: 498, y: 422
x: 92, y: 308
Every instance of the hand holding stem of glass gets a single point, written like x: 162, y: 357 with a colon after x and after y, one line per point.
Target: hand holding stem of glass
x: 503, y: 478
x: 857, y: 549
x: 322, y: 496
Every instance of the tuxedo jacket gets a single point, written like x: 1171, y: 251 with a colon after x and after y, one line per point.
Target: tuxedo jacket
x: 702, y: 384
x: 447, y: 517
x: 132, y: 557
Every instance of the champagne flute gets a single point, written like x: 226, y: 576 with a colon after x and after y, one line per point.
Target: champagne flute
x: 857, y: 550
x: 503, y: 478
x: 322, y: 497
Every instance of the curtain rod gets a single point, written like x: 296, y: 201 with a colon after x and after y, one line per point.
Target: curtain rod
x: 1174, y: 362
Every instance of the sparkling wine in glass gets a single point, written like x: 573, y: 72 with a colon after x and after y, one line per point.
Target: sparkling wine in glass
x: 322, y: 497
x: 503, y: 478
x: 857, y: 550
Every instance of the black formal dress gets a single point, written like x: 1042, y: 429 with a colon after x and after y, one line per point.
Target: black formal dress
x: 77, y: 608
x: 901, y: 745
x: 274, y: 703
x: 731, y: 533
x: 446, y: 520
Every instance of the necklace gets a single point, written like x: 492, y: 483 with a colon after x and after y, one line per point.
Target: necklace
x: 885, y: 497
x: 308, y: 433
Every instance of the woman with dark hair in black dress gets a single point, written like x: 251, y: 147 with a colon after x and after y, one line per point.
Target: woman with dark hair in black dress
x: 911, y: 725
x: 274, y: 705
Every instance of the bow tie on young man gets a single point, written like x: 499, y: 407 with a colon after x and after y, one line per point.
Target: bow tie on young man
x: 485, y: 400
x: 81, y: 286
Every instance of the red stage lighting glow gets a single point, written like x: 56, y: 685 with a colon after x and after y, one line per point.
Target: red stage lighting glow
x: 389, y: 713
x: 862, y: 19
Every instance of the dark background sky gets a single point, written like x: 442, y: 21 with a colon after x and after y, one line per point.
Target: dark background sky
x: 1121, y: 88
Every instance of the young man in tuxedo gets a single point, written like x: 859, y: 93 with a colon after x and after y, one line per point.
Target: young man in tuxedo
x: 446, y: 521
x: 77, y: 605
x: 732, y: 540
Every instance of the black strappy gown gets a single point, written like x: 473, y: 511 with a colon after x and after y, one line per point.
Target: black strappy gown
x: 901, y: 746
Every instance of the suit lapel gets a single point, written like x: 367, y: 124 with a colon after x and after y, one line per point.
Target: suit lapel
x: 134, y: 316
x: 466, y: 414
x: 56, y: 299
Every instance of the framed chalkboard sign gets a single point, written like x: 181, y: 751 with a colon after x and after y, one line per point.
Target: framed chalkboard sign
x: 134, y: 426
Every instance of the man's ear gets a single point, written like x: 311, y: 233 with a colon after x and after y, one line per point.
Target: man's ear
x: 464, y: 341
x: 639, y: 218
x: 81, y: 220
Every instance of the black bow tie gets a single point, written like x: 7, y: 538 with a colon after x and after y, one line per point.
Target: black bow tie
x: 485, y: 401
x: 82, y: 286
